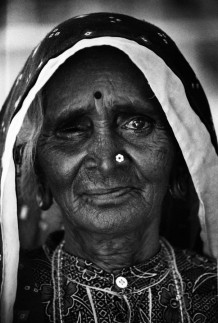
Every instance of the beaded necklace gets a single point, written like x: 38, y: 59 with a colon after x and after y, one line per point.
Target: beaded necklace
x: 57, y: 282
x: 57, y: 279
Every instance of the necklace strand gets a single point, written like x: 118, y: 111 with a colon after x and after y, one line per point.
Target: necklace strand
x: 59, y: 271
x: 56, y: 272
x: 57, y: 263
x: 177, y: 280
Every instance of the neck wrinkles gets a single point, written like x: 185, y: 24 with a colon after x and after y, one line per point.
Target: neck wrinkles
x: 141, y: 276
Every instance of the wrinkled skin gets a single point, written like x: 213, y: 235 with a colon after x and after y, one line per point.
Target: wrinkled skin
x: 111, y: 210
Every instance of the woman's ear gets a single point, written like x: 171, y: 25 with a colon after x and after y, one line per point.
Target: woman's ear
x: 178, y: 187
x: 44, y: 197
x: 179, y: 178
x: 43, y: 193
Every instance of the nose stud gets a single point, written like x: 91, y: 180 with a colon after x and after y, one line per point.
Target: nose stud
x: 119, y: 158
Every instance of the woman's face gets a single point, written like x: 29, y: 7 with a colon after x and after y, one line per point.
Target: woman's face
x: 81, y: 137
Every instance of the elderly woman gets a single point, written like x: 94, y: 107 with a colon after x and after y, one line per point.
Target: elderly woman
x: 111, y: 124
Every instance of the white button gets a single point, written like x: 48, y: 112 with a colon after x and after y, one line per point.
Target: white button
x: 121, y: 282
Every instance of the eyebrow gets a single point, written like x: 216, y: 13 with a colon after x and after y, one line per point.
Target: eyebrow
x: 72, y: 114
x: 115, y: 110
x: 133, y: 108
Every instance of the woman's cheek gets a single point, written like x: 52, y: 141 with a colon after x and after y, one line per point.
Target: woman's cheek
x: 156, y: 163
x: 59, y: 168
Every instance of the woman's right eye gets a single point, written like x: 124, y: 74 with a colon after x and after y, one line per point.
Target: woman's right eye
x: 74, y: 128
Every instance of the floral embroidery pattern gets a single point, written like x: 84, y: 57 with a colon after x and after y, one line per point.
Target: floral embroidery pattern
x: 202, y: 279
x: 69, y: 291
x: 47, y: 297
x: 172, y: 307
x: 199, y: 318
x: 87, y: 270
x: 110, y: 304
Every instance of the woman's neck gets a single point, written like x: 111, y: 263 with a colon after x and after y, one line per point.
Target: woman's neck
x: 112, y: 252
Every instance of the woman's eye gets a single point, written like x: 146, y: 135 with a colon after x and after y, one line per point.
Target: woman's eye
x: 139, y: 124
x: 74, y: 129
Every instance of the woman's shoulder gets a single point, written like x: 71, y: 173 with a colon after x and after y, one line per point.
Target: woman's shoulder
x: 31, y: 258
x: 34, y: 274
x: 29, y: 261
x: 190, y: 260
x: 34, y: 269
x: 41, y: 256
x: 198, y: 272
x: 199, y: 278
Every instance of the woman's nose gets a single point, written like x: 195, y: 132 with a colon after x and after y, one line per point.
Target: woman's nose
x: 107, y: 164
x: 106, y: 154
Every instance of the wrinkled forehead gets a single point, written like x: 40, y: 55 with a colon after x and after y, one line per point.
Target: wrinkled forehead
x: 98, y: 59
x: 97, y: 69
x: 98, y: 55
x: 89, y: 63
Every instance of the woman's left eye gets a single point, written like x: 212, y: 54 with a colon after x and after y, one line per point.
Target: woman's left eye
x: 139, y: 124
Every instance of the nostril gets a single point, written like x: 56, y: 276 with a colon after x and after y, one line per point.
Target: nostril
x: 90, y: 163
x: 97, y: 95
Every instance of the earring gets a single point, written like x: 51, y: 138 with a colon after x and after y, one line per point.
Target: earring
x: 178, y: 189
x: 43, y: 198
x: 18, y: 156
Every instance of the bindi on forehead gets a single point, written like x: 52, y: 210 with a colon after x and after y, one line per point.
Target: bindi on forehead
x: 98, y: 98
x: 97, y: 95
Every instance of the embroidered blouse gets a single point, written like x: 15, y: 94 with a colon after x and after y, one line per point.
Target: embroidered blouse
x: 173, y: 286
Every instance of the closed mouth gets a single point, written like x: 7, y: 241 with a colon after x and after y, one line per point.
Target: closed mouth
x: 103, y: 191
x: 107, y: 196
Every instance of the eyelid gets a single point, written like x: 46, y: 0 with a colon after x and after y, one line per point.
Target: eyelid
x: 71, y: 116
x: 146, y: 118
x: 73, y: 123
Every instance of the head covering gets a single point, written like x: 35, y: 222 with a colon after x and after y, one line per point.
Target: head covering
x: 172, y: 81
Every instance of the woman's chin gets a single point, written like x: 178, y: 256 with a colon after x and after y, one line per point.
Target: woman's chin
x: 111, y: 215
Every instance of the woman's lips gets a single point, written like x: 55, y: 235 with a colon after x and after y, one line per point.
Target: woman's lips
x: 107, y: 196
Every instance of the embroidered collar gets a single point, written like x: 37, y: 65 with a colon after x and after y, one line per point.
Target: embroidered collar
x: 138, y: 277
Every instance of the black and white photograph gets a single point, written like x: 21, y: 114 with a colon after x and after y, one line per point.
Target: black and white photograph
x: 109, y: 161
